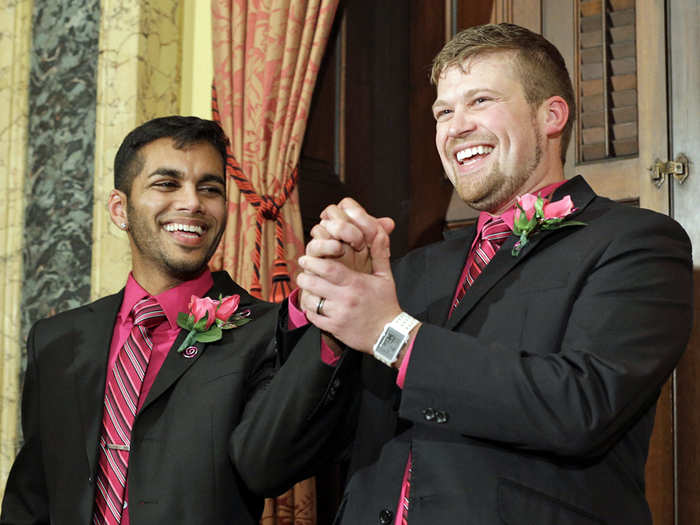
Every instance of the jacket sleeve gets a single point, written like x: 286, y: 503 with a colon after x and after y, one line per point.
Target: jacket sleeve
x: 588, y: 358
x: 26, y: 498
x: 294, y: 422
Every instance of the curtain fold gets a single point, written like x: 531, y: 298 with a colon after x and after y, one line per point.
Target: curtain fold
x: 267, y: 54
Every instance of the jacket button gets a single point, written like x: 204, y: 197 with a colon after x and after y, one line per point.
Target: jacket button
x: 428, y: 414
x: 441, y: 417
x: 385, y: 516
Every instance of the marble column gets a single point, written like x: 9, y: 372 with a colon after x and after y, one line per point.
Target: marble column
x: 15, y: 43
x: 60, y: 157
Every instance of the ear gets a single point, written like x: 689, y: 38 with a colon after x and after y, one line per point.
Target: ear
x: 116, y: 204
x: 554, y: 114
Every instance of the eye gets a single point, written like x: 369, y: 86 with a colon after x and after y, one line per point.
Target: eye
x: 480, y: 100
x: 440, y: 113
x: 213, y: 190
x: 167, y: 184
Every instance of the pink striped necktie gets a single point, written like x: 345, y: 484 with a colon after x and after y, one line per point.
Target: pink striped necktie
x: 494, y: 232
x: 120, y: 405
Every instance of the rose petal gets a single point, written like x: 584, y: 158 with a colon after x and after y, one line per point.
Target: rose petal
x: 228, y: 307
x: 201, y: 306
x: 527, y: 203
x: 558, y: 209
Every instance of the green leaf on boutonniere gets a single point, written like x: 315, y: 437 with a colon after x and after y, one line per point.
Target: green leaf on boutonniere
x: 185, y: 321
x: 213, y: 334
x: 539, y: 207
x: 201, y: 325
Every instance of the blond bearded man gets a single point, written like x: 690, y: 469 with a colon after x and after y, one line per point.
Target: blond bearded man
x: 522, y: 391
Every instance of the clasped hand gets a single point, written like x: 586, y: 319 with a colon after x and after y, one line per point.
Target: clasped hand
x: 347, y: 263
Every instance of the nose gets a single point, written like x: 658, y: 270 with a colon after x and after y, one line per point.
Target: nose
x: 189, y: 199
x: 461, y: 123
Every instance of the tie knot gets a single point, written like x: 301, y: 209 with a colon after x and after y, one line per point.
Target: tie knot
x: 148, y: 313
x: 495, y: 229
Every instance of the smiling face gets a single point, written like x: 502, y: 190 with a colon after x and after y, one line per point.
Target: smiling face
x: 490, y: 140
x: 175, y: 212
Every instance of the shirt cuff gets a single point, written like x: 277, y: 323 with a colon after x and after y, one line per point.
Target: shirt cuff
x: 401, y: 377
x: 297, y: 319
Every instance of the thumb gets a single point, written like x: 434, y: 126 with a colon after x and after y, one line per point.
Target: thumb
x: 380, y: 252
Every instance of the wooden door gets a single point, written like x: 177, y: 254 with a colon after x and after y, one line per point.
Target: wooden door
x: 665, y: 35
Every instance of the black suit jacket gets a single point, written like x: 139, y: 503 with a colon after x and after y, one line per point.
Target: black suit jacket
x: 534, y: 402
x: 180, y: 466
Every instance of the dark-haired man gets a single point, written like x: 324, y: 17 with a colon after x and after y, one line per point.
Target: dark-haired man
x: 507, y: 379
x: 119, y: 425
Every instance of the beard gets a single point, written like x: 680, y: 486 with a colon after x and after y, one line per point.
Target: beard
x: 499, y: 187
x: 150, y: 245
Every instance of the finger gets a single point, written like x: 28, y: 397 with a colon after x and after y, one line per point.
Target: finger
x: 328, y: 270
x: 380, y: 251
x: 387, y: 223
x: 315, y: 285
x: 345, y: 231
x: 333, y: 211
x: 325, y: 248
x: 366, y: 223
x: 319, y: 232
x: 323, y: 322
x: 309, y: 303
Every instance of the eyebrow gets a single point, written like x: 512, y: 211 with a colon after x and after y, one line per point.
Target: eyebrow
x: 177, y: 174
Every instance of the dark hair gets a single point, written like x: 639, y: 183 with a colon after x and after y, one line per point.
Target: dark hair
x: 185, y: 131
x: 541, y: 67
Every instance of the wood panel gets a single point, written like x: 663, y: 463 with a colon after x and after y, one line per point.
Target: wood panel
x: 684, y: 81
x: 430, y: 189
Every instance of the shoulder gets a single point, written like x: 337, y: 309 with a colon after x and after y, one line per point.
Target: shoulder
x: 105, y: 306
x: 621, y: 222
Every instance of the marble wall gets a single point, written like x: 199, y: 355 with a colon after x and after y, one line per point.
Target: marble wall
x: 15, y: 43
x: 60, y: 157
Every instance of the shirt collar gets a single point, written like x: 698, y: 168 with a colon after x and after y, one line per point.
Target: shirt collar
x: 508, y: 216
x: 173, y: 301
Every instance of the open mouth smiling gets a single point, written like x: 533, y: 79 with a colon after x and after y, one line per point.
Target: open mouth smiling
x: 473, y: 153
x: 193, y: 229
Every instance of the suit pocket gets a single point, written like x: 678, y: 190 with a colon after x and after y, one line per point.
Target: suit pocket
x: 520, y: 505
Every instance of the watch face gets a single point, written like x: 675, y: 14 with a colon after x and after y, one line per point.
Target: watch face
x: 390, y: 343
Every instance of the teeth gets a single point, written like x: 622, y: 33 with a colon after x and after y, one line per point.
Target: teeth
x: 190, y: 228
x: 470, y: 152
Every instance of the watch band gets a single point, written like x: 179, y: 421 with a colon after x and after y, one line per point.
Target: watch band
x: 404, y: 323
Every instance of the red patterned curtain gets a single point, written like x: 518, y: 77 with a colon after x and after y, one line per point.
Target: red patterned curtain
x: 267, y: 54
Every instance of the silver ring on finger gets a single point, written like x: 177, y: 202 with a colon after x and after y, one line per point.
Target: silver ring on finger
x: 319, y: 306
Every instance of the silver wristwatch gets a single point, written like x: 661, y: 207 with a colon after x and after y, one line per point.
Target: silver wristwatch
x: 393, y: 338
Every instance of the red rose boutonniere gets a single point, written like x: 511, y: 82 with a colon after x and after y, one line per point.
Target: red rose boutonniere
x: 208, y: 318
x: 535, y: 213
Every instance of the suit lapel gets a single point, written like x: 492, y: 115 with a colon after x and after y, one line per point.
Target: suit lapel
x: 446, y: 263
x: 503, y: 262
x: 177, y: 363
x: 89, y: 368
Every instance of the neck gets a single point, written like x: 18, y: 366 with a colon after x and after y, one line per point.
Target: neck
x: 532, y: 185
x: 155, y: 282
